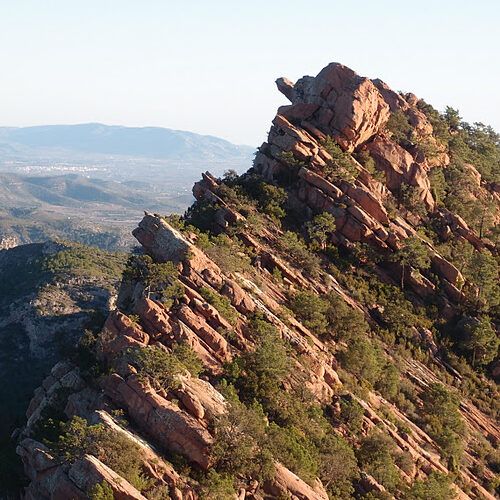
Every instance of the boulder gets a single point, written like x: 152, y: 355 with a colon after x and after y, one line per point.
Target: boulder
x: 238, y: 297
x: 202, y: 329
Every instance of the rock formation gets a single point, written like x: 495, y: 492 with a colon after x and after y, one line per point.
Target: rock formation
x: 236, y: 282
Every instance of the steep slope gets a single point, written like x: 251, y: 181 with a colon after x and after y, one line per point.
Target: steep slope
x: 323, y: 326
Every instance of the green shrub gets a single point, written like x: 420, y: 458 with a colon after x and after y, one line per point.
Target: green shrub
x: 364, y: 360
x: 294, y: 450
x: 311, y: 310
x: 366, y: 160
x: 270, y: 199
x: 164, y: 367
x: 221, y: 303
x: 227, y: 253
x: 376, y: 454
x: 400, y: 128
x: 338, y: 466
x: 414, y: 254
x: 481, y: 341
x: 297, y: 251
x: 188, y: 358
x: 388, y: 384
x: 258, y: 375
x: 111, y: 447
x: 320, y: 229
x: 215, y: 486
x: 101, y: 491
x: 341, y: 166
x: 241, y: 444
x: 443, y: 420
x: 344, y: 322
x: 160, y: 278
x: 410, y: 198
x: 437, y: 486
x: 351, y: 413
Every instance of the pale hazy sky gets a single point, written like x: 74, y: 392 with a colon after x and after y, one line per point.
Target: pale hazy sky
x: 209, y: 66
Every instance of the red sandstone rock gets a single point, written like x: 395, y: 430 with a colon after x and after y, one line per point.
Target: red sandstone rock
x: 321, y: 183
x: 154, y: 317
x: 400, y: 167
x: 447, y: 269
x: 286, y: 483
x: 345, y: 105
x: 89, y: 471
x: 164, y: 421
x: 238, y: 297
x: 201, y: 328
x: 369, y: 203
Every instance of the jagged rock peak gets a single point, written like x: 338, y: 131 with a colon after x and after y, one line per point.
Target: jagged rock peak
x: 344, y: 104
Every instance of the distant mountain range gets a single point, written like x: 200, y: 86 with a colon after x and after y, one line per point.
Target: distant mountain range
x: 99, y: 139
x: 55, y: 180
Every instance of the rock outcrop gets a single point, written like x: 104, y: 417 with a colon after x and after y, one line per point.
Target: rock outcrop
x: 236, y: 286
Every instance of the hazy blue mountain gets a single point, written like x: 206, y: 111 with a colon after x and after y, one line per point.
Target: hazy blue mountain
x: 96, y: 138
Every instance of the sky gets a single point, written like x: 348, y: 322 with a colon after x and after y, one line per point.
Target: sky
x: 209, y: 66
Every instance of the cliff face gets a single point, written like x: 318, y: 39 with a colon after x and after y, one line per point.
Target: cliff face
x: 264, y: 353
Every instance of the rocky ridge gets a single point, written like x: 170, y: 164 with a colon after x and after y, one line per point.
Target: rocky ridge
x: 353, y: 111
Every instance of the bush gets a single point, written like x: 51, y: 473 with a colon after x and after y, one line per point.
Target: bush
x: 188, y: 358
x: 160, y: 278
x: 376, y: 455
x: 162, y: 367
x: 298, y: 253
x: 388, y: 384
x: 437, y: 486
x: 338, y: 466
x: 227, y: 253
x: 221, y: 303
x: 409, y: 197
x: 241, y: 444
x: 258, y: 375
x: 364, y: 360
x: 270, y: 198
x: 400, y: 128
x: 481, y: 341
x: 311, y: 310
x: 320, y: 229
x: 217, y: 486
x: 351, y: 413
x: 443, y: 420
x: 341, y: 165
x: 111, y: 447
x: 414, y: 254
x: 345, y: 322
x: 294, y: 450
x: 101, y: 491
